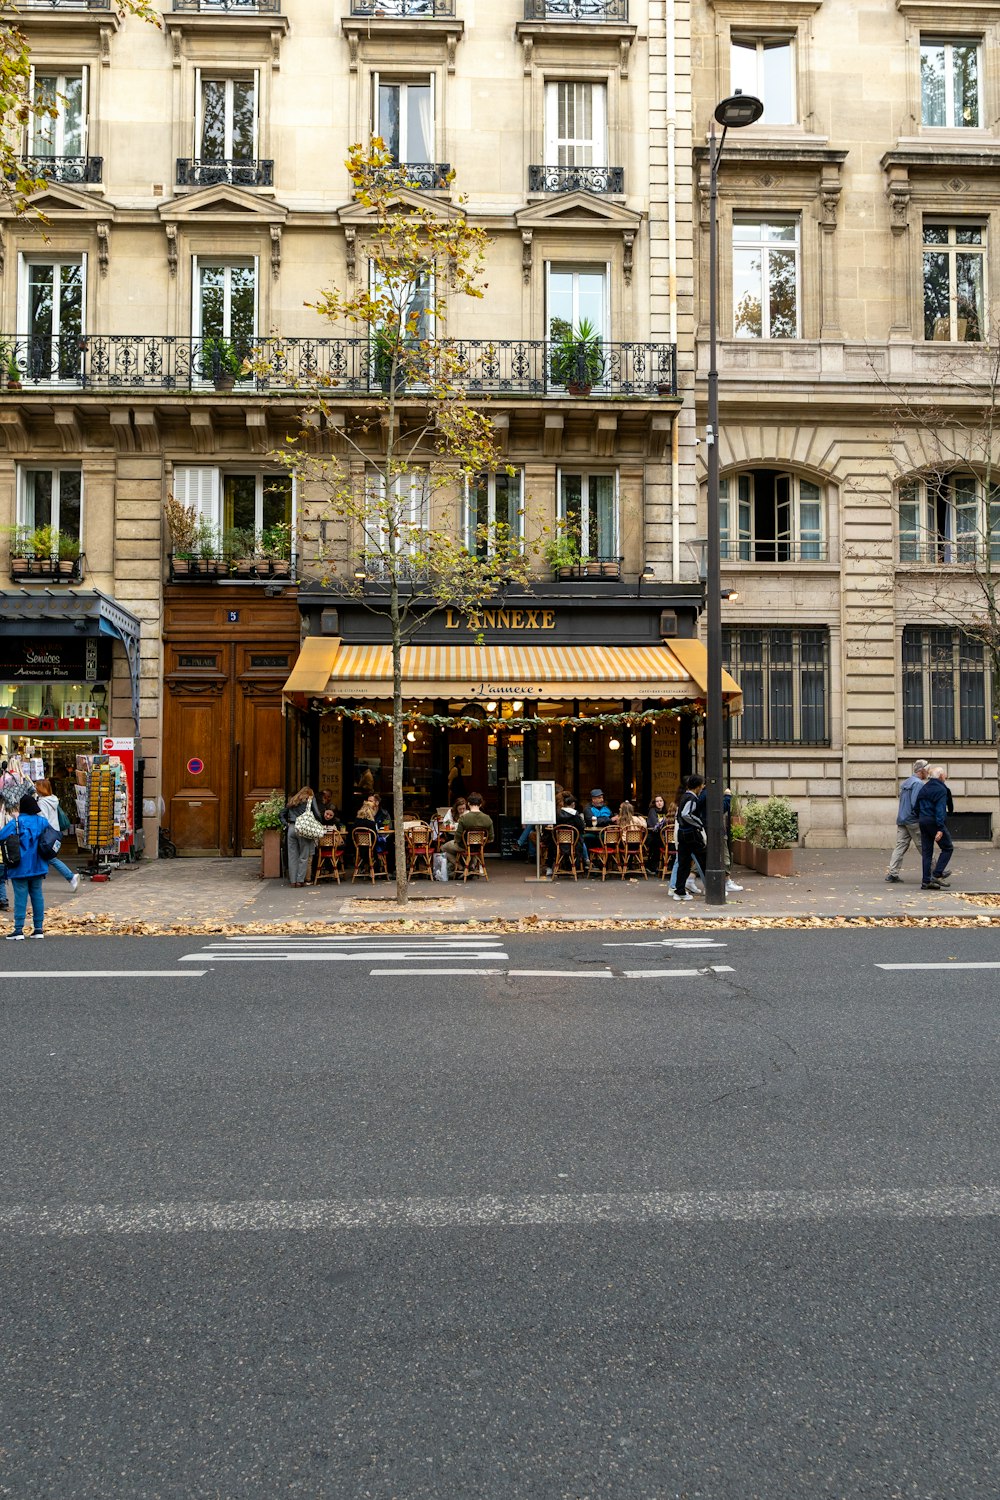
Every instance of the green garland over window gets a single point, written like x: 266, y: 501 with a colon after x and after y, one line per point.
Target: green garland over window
x: 639, y: 719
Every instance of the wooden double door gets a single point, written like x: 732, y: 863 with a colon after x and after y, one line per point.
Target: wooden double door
x: 223, y: 730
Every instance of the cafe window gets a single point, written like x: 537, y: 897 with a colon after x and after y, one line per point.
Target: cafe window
x: 588, y: 512
x: 51, y: 498
x: 784, y: 674
x: 493, y: 501
x: 946, y: 692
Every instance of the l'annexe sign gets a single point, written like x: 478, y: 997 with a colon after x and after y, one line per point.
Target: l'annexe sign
x: 501, y: 619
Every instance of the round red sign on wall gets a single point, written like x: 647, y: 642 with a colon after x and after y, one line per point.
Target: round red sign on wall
x: 195, y: 766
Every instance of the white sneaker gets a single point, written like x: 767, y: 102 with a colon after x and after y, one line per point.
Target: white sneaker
x: 693, y: 888
x: 687, y: 896
x: 74, y: 883
x: 732, y: 887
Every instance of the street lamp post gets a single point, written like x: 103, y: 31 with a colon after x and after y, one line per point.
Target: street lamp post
x: 732, y: 113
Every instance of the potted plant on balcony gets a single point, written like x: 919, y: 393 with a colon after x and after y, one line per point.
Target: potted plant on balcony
x: 13, y: 371
x: 276, y: 547
x: 182, y: 522
x: 563, y: 555
x: 21, y: 549
x: 267, y: 833
x: 241, y: 548
x: 43, y: 552
x: 386, y: 347
x: 69, y: 552
x: 220, y: 363
x: 207, y: 549
x: 578, y: 359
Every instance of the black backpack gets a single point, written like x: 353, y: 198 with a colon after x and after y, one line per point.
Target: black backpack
x: 49, y: 843
x: 10, y: 852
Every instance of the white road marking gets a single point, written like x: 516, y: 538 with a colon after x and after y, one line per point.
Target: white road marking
x: 939, y: 966
x: 670, y: 943
x: 562, y: 973
x: 103, y: 973
x: 367, y: 956
x: 437, y: 971
x: 500, y: 1212
x: 350, y: 942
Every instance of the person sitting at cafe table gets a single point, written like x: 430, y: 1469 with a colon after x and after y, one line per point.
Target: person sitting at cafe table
x: 567, y: 815
x: 597, y: 817
x: 473, y: 817
x: 372, y: 815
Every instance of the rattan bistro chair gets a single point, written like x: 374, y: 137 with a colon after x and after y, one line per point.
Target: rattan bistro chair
x: 668, y: 850
x: 604, y: 852
x: 368, y: 858
x: 567, y: 842
x: 632, y: 851
x: 419, y: 851
x: 329, y: 857
x: 471, y: 857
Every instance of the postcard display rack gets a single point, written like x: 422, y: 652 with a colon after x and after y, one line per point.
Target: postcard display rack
x: 104, y: 810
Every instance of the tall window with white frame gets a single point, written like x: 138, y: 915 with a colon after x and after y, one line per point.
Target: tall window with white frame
x: 50, y: 505
x: 398, y: 525
x: 949, y: 519
x: 946, y: 690
x: 765, y: 278
x: 404, y: 118
x: 764, y: 66
x: 950, y: 82
x: 51, y: 316
x: 226, y: 128
x: 257, y: 506
x: 225, y: 312
x: 954, y: 277
x: 494, y: 508
x: 767, y: 516
x: 784, y: 672
x: 57, y: 131
x: 576, y: 136
x: 588, y: 512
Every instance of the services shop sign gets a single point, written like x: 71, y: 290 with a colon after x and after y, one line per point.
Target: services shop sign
x: 52, y: 659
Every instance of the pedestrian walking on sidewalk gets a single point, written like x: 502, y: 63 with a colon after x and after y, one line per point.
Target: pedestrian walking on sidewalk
x: 690, y: 836
x: 907, y: 821
x: 48, y: 806
x: 27, y: 875
x: 300, y: 849
x: 932, y: 812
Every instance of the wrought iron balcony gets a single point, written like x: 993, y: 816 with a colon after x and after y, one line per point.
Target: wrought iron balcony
x: 590, y: 568
x: 187, y: 567
x: 779, y: 551
x: 64, y: 5
x: 248, y: 7
x: 195, y: 171
x: 576, y: 179
x: 428, y: 176
x: 349, y: 367
x: 576, y: 10
x: 34, y: 566
x: 64, y: 168
x: 413, y: 9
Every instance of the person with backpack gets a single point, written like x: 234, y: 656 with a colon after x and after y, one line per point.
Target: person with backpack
x: 28, y: 872
x: 48, y: 806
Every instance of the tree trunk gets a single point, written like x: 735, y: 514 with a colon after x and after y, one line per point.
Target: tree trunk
x: 399, y: 839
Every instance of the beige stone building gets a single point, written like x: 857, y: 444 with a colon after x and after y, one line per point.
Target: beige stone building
x: 858, y: 288
x: 197, y: 202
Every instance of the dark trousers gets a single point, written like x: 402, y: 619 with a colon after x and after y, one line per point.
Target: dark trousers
x: 687, y: 845
x: 928, y: 844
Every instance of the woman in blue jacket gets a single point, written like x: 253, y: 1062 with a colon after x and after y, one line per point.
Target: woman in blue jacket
x: 27, y: 876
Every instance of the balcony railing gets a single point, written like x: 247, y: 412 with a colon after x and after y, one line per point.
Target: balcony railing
x: 221, y: 567
x: 772, y: 552
x: 414, y: 9
x: 63, y: 5
x: 962, y: 552
x: 196, y: 172
x: 576, y: 179
x: 251, y: 7
x: 64, y: 168
x: 34, y: 568
x: 499, y: 367
x: 576, y: 10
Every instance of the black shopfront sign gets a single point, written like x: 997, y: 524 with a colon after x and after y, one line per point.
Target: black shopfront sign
x: 54, y: 659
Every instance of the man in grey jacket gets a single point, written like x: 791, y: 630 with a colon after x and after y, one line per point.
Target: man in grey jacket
x: 907, y: 821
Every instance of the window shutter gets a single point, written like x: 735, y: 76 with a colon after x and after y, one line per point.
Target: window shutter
x: 599, y: 112
x: 744, y: 518
x: 197, y: 149
x: 31, y: 118
x: 84, y: 110
x: 551, y: 151
x: 376, y: 122
x: 198, y: 486
x: 256, y: 114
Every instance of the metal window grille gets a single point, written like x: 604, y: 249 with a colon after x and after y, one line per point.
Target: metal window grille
x: 785, y: 677
x: 946, y: 697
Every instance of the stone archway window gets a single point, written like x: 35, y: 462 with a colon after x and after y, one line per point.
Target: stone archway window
x: 772, y: 516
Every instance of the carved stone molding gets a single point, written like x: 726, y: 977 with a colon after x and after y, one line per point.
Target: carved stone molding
x: 830, y: 188
x: 16, y: 436
x: 553, y: 439
x: 501, y: 431
x: 628, y: 247
x: 526, y: 255
x: 171, y: 248
x: 275, y: 251
x: 351, y: 237
x: 196, y: 687
x: 202, y: 430
x: 256, y: 430
x: 147, y: 430
x: 68, y: 429
x: 103, y: 245
x: 606, y: 436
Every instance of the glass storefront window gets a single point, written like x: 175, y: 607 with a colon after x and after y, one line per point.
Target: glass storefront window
x: 55, y: 700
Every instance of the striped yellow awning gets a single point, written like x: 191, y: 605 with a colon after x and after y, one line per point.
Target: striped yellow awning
x: 676, y: 672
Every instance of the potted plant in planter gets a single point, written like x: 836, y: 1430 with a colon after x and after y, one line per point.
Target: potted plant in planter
x: 276, y: 547
x: 43, y: 552
x: 267, y: 830
x: 578, y: 359
x: 241, y: 549
x: 739, y: 844
x: 563, y: 555
x: 385, y: 346
x: 21, y: 550
x: 69, y: 552
x: 13, y: 371
x: 207, y: 549
x: 182, y: 522
x: 772, y: 829
x: 220, y: 363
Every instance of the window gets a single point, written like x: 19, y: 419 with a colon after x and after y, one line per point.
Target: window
x: 784, y: 674
x: 576, y: 293
x: 766, y: 278
x: 256, y: 502
x: 588, y: 509
x: 62, y: 134
x: 765, y: 67
x: 954, y: 266
x: 51, y: 497
x: 226, y: 301
x: 947, y: 520
x: 945, y: 688
x: 405, y: 116
x: 226, y: 123
x: 493, y: 500
x: 767, y: 516
x: 406, y: 515
x: 949, y: 81
x: 576, y: 124
x: 52, y: 316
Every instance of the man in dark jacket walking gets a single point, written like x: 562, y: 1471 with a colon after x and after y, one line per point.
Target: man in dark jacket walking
x: 932, y: 811
x: 690, y: 834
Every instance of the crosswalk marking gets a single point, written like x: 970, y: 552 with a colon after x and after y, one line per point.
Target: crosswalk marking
x: 669, y: 943
x: 948, y: 965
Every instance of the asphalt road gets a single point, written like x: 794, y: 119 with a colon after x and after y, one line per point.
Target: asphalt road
x: 510, y: 1217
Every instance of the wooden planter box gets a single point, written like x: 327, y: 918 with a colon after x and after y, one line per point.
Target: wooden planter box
x: 270, y: 854
x: 774, y: 861
x: 742, y: 854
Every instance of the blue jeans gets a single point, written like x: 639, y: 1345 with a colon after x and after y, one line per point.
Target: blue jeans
x: 928, y: 844
x: 672, y: 882
x: 22, y: 890
x: 64, y: 870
